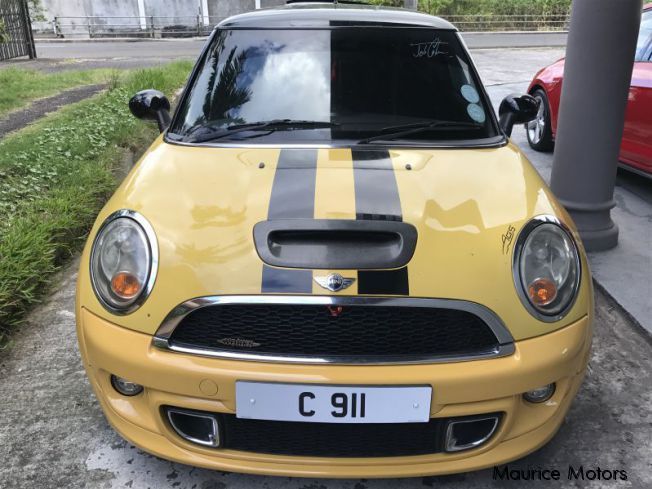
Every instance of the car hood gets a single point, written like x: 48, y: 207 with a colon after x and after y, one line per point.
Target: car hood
x: 467, y: 205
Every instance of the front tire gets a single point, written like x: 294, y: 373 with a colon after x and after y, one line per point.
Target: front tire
x: 539, y: 130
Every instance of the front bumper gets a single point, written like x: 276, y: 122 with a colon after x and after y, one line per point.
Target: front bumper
x: 459, y: 389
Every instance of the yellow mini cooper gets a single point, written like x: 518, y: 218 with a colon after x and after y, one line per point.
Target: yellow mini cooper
x: 333, y: 262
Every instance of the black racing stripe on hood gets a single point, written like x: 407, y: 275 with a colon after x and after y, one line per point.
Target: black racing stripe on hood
x: 376, y: 190
x: 293, y: 190
x: 285, y: 280
x: 377, y: 197
x: 292, y: 197
x: 384, y: 282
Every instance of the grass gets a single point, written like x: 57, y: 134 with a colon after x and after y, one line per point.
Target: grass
x: 54, y: 178
x: 21, y: 86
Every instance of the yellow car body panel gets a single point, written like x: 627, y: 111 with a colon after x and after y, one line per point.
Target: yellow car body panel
x: 459, y: 389
x: 204, y: 202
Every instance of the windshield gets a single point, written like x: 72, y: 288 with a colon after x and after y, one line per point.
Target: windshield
x: 342, y: 83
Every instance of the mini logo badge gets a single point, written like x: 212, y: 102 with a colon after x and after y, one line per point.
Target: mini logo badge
x: 334, y: 282
x: 238, y: 342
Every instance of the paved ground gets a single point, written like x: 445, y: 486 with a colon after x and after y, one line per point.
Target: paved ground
x: 20, y: 118
x: 53, y: 434
x: 478, y: 40
x: 512, y: 67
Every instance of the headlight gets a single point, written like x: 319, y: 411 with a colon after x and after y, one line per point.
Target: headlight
x: 124, y: 258
x: 546, y: 268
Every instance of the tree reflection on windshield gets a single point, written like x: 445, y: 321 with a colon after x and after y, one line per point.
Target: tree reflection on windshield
x: 357, y: 80
x: 227, y: 95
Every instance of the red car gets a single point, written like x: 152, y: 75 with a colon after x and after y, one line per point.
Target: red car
x: 636, y: 145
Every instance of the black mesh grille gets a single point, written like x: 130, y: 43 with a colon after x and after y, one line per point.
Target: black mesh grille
x: 325, y: 331
x: 341, y: 440
x: 331, y: 439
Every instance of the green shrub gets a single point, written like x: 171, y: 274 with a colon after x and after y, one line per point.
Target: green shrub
x: 444, y: 8
x: 54, y: 178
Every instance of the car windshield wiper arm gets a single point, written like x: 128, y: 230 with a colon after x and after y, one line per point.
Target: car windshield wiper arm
x: 395, y: 132
x: 271, y: 125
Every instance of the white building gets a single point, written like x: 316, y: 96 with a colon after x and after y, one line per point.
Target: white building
x: 147, y: 18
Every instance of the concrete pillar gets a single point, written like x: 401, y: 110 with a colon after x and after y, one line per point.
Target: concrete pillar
x: 598, y: 69
x: 141, y: 14
x: 204, y: 12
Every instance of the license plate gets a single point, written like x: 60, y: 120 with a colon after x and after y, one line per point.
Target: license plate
x: 332, y: 403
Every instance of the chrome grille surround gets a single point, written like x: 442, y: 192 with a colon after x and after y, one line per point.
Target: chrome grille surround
x: 505, y: 346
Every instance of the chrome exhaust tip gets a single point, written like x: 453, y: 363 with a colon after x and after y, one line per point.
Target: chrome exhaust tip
x: 470, y: 432
x: 195, y: 427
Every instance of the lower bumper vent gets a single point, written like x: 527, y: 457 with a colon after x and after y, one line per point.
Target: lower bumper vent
x: 339, y: 440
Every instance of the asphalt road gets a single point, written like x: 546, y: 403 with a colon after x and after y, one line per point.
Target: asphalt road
x: 189, y: 48
x: 163, y: 50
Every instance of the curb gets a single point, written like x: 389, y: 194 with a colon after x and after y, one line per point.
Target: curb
x: 537, y: 33
x: 47, y: 40
x: 647, y: 335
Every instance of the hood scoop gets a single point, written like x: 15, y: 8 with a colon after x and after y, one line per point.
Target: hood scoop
x: 335, y: 243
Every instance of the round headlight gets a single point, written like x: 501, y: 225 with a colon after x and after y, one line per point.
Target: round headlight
x: 123, y: 261
x: 547, y: 268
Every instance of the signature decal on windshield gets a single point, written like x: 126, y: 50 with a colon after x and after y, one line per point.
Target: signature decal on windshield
x: 428, y: 49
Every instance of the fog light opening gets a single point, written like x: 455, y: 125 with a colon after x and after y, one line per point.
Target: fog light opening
x: 464, y: 434
x: 540, y: 394
x: 195, y: 427
x: 125, y: 387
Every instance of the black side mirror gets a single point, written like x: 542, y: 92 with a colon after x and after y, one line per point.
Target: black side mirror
x: 516, y: 109
x: 151, y: 105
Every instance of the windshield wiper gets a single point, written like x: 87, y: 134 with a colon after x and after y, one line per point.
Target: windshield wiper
x: 395, y: 132
x: 212, y: 133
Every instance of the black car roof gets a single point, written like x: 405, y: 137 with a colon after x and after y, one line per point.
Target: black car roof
x: 315, y: 14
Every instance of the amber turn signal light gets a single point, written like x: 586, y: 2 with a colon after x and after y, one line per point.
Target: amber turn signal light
x: 542, y: 291
x: 125, y: 285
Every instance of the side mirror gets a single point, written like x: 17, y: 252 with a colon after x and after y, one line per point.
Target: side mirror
x: 151, y: 105
x: 516, y: 109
